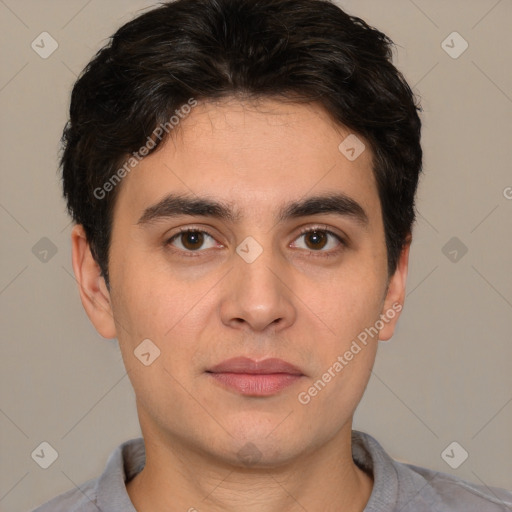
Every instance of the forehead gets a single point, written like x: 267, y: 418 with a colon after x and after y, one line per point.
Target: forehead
x: 257, y: 155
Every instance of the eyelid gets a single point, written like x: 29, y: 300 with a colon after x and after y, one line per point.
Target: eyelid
x: 327, y: 229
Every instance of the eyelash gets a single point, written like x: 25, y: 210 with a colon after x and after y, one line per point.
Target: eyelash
x: 319, y: 253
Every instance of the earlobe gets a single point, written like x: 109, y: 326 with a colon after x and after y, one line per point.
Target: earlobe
x: 93, y: 290
x: 395, y: 295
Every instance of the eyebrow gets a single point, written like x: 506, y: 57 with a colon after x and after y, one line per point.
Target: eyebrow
x: 174, y: 205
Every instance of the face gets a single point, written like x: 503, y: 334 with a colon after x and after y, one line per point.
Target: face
x: 268, y: 273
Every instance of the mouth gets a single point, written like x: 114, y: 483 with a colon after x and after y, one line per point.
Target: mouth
x: 251, y: 378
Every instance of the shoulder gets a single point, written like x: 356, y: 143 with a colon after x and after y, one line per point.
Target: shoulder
x: 455, y: 494
x: 108, y: 491
x: 405, y: 487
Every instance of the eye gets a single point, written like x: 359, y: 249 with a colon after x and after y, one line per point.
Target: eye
x: 316, y: 240
x: 321, y: 240
x: 191, y: 240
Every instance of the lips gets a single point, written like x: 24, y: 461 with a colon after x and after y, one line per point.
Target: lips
x: 252, y: 378
x: 249, y: 366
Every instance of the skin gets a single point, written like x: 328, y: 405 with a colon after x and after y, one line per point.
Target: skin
x: 290, y: 303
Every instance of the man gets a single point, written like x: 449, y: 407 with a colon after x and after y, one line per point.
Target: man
x: 242, y: 177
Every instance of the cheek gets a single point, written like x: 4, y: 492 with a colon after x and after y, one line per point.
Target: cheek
x: 351, y: 302
x: 137, y: 303
x: 345, y: 352
x: 161, y: 305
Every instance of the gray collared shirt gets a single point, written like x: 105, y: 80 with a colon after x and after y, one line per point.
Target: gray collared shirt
x: 397, y: 487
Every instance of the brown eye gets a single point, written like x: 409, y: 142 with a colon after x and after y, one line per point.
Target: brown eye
x: 191, y: 240
x: 315, y: 239
x: 321, y: 241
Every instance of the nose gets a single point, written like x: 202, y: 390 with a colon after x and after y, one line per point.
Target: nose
x: 258, y: 294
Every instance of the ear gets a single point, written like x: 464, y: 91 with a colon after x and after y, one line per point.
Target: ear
x: 93, y: 290
x: 395, y: 295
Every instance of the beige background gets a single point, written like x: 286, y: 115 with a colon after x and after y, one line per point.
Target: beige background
x: 446, y: 374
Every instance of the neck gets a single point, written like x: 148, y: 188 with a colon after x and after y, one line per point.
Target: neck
x: 178, y: 477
